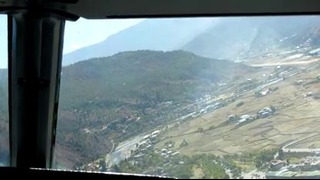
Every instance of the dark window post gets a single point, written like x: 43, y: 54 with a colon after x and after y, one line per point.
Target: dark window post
x: 35, y: 53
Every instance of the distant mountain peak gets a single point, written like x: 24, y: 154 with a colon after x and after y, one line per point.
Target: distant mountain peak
x: 232, y: 38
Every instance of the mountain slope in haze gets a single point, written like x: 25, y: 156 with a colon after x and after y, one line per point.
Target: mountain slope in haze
x: 233, y: 38
x: 155, y: 34
x: 106, y: 100
x: 236, y: 38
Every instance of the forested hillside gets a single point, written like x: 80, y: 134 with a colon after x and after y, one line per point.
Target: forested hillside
x: 106, y: 100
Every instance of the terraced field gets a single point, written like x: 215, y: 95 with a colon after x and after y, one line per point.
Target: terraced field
x: 297, y: 116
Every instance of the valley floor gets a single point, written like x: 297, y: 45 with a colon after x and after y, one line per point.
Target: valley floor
x: 280, y: 113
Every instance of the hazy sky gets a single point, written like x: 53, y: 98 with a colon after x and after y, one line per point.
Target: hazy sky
x: 77, y: 34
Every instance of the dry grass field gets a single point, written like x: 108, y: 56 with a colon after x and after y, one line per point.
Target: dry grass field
x: 297, y: 115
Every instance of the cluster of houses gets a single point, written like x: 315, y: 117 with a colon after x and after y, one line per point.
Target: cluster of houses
x: 91, y: 167
x: 210, y: 107
x: 308, y: 167
x: 277, y: 164
x: 246, y: 118
x: 147, y: 145
x: 167, y: 153
x: 280, y: 168
x: 144, y: 146
x: 265, y: 112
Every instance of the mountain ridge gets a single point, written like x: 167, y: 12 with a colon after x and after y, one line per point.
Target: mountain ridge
x: 233, y: 38
x: 159, y: 34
